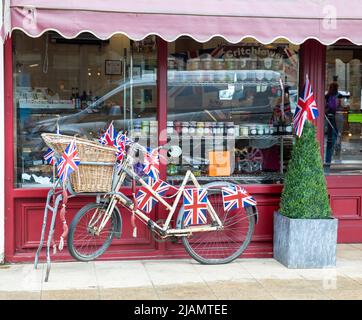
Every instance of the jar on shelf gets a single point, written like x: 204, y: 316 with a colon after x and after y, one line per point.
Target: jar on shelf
x: 266, y: 130
x: 288, y: 129
x: 213, y: 128
x: 137, y: 127
x: 206, y: 65
x: 170, y: 127
x: 192, y: 128
x: 207, y: 129
x: 178, y: 127
x: 260, y: 130
x: 153, y: 128
x: 244, y: 131
x: 230, y: 130
x: 145, y: 127
x: 236, y: 130
x: 220, y: 128
x: 253, y: 130
x: 193, y: 64
x: 171, y: 66
x: 185, y: 128
x: 200, y: 126
x: 219, y: 73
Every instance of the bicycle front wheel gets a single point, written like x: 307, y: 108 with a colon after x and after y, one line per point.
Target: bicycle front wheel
x: 224, y: 245
x: 85, y: 242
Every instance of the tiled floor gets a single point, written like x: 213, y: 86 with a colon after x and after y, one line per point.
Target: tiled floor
x: 247, y: 279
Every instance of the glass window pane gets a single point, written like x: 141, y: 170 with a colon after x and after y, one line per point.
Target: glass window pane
x: 343, y: 105
x: 81, y: 85
x: 230, y: 108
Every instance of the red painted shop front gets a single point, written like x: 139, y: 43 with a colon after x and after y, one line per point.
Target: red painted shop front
x: 24, y: 203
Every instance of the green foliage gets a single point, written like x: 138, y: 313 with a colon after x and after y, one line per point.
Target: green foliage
x: 305, y: 192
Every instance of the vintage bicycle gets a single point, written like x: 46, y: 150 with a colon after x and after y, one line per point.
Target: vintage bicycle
x: 216, y: 238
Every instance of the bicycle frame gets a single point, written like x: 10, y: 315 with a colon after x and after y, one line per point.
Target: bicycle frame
x: 119, y: 197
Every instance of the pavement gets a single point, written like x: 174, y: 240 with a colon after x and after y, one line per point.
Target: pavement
x: 243, y: 279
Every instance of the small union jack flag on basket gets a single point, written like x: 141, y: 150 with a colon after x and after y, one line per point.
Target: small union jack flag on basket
x: 109, y: 137
x: 306, y: 108
x: 121, y: 142
x: 145, y: 199
x: 69, y: 161
x: 195, y: 206
x: 49, y: 156
x: 235, y: 197
x: 152, y: 164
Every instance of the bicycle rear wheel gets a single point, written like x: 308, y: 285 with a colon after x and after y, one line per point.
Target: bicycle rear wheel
x: 84, y: 244
x: 224, y: 245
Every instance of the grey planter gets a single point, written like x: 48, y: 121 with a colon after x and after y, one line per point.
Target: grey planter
x: 305, y: 243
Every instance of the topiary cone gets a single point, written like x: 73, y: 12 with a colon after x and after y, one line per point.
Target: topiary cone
x: 305, y: 193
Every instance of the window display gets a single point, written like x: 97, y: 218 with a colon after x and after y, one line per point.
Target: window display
x: 78, y: 87
x: 343, y: 105
x: 230, y: 108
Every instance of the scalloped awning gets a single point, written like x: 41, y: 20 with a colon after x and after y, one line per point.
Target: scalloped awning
x: 264, y: 20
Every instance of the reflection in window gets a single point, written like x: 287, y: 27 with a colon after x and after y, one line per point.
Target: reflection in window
x: 343, y: 105
x: 82, y: 85
x: 230, y: 108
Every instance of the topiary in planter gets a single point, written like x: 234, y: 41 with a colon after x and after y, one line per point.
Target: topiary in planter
x: 305, y: 194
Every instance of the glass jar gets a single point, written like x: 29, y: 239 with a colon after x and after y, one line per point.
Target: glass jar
x: 207, y: 129
x: 178, y: 127
x: 266, y: 130
x: 253, y: 131
x: 170, y: 127
x: 137, y: 127
x: 220, y: 128
x: 185, y: 128
x: 192, y: 128
x: 153, y: 128
x: 200, y: 128
x: 260, y: 130
x: 213, y: 128
x: 230, y: 130
x: 206, y: 65
x: 193, y: 64
x: 145, y: 127
x: 288, y: 129
x: 219, y: 73
x: 244, y: 131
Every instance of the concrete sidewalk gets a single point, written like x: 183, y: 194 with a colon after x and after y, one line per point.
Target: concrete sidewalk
x: 251, y: 279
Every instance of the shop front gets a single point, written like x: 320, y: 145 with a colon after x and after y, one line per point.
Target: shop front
x: 181, y: 77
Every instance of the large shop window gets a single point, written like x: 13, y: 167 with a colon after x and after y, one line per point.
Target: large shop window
x: 343, y: 105
x: 81, y: 86
x: 230, y: 109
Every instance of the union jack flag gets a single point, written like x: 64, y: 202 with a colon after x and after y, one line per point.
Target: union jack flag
x: 195, y: 205
x: 109, y: 137
x: 235, y: 197
x: 306, y: 108
x: 145, y: 199
x: 68, y: 162
x: 49, y: 156
x: 152, y: 164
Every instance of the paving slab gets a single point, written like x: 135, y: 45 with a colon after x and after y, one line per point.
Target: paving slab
x: 120, y: 274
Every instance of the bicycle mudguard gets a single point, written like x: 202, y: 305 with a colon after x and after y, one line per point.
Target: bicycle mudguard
x: 118, y: 223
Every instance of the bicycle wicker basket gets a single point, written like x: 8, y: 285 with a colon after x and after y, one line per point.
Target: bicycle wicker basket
x: 95, y: 176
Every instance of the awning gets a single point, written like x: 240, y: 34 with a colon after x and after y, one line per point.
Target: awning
x: 264, y: 20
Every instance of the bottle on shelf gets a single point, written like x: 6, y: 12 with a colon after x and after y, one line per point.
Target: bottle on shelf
x: 77, y: 99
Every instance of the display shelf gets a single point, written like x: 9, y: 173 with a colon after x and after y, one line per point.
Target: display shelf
x: 249, y: 178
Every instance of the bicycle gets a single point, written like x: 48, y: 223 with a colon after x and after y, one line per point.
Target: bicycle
x: 220, y: 239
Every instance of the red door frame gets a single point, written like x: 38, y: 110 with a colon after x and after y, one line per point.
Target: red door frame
x: 312, y: 57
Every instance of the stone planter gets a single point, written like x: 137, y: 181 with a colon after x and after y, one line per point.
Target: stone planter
x: 305, y: 243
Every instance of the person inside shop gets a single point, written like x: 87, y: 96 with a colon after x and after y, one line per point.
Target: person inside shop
x: 332, y: 104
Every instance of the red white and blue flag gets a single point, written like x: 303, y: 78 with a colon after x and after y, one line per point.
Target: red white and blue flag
x: 152, y: 164
x: 69, y: 161
x: 145, y: 199
x: 109, y: 137
x: 306, y: 108
x: 236, y: 197
x: 195, y: 206
x: 49, y: 156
